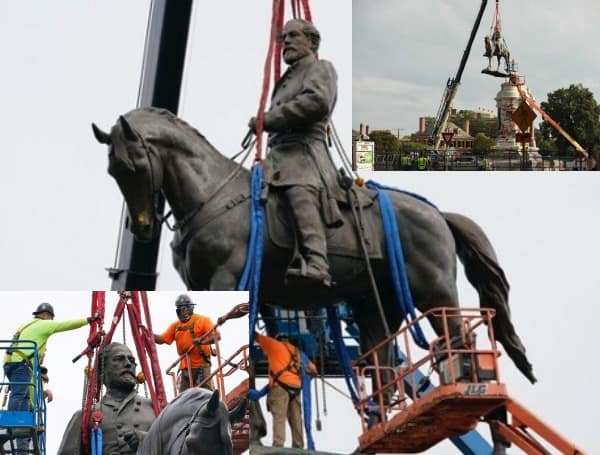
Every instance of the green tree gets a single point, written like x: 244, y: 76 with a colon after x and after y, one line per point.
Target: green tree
x: 384, y: 141
x: 577, y: 112
x: 413, y: 147
x: 482, y: 143
x: 547, y: 146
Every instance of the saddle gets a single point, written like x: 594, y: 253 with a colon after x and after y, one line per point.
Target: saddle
x: 341, y: 241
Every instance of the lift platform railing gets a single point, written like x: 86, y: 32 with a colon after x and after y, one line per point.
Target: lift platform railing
x: 453, y: 356
x: 238, y: 361
x: 31, y: 423
x: 226, y: 367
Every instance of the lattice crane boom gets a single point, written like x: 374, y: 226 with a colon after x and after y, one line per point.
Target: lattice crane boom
x: 453, y: 83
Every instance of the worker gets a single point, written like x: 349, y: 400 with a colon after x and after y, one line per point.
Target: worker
x: 18, y: 361
x: 405, y: 162
x: 422, y: 163
x: 299, y: 165
x: 285, y: 385
x: 126, y: 416
x: 189, y: 332
x: 485, y: 164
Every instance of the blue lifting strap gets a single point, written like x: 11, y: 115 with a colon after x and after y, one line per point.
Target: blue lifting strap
x: 306, y: 399
x: 96, y: 441
x: 250, y: 279
x: 341, y: 352
x: 397, y: 263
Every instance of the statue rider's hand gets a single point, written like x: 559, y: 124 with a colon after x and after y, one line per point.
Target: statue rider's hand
x: 132, y: 439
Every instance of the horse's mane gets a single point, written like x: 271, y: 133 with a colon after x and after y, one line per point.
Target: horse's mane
x: 142, y: 118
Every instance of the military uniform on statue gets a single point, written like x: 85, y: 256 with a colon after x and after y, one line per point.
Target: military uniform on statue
x: 299, y: 165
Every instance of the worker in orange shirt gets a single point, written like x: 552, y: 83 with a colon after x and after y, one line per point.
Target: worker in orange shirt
x: 285, y: 385
x: 187, y: 332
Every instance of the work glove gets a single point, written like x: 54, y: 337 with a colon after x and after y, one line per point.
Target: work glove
x: 94, y: 318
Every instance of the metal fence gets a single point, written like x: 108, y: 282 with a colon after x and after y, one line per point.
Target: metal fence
x: 496, y: 161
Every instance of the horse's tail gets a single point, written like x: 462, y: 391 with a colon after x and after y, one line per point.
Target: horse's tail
x: 485, y: 274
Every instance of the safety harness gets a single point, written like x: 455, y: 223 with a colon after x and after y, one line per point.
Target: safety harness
x: 190, y: 328
x: 293, y: 366
x: 15, y: 342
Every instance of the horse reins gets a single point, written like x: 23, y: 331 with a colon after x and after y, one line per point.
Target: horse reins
x: 247, y: 144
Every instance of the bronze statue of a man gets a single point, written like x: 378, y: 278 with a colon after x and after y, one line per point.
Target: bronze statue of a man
x: 299, y: 163
x: 127, y: 416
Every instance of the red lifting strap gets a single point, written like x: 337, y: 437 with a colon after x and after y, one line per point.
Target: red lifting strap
x: 274, y: 57
x: 137, y: 310
x: 94, y: 341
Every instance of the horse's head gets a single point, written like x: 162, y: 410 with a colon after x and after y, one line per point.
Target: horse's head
x: 137, y: 168
x: 210, y: 430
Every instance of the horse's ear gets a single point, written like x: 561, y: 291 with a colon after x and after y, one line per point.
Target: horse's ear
x: 238, y: 412
x: 101, y: 136
x: 128, y: 130
x: 213, y: 403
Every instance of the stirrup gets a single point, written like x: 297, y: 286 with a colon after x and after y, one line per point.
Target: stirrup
x: 303, y: 275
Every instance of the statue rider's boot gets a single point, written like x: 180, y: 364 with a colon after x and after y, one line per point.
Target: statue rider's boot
x: 313, y: 271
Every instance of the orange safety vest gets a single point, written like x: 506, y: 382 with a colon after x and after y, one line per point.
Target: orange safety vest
x: 189, y: 326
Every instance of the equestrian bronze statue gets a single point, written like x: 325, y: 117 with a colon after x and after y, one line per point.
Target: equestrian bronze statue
x: 152, y: 151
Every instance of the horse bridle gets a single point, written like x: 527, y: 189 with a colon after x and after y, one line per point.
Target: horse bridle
x: 155, y: 189
x: 247, y: 144
x: 185, y: 431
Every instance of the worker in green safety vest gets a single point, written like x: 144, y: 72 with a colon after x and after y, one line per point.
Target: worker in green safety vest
x: 422, y: 163
x: 18, y: 361
x: 405, y: 162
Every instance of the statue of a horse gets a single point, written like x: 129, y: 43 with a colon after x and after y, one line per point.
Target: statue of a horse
x: 495, y: 47
x: 151, y: 150
x: 501, y: 51
x: 196, y: 422
x: 489, y: 50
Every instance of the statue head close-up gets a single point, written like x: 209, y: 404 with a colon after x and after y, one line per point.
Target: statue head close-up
x: 118, y: 368
x: 299, y: 38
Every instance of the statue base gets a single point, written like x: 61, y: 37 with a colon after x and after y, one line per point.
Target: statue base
x: 494, y: 73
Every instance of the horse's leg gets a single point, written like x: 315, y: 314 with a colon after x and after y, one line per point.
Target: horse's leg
x: 224, y: 279
x: 258, y: 425
x: 433, y: 284
x: 430, y: 256
x: 372, y: 332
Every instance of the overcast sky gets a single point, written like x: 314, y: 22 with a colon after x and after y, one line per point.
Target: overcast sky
x: 404, y: 52
x: 66, y: 378
x: 67, y: 64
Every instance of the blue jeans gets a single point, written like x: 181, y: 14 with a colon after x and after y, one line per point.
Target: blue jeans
x: 19, y: 395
